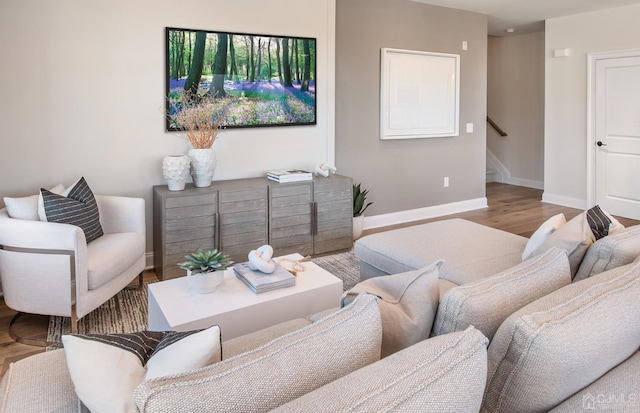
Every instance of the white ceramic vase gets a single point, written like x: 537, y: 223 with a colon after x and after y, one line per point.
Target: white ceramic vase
x: 175, y: 169
x: 203, y: 163
x: 358, y: 224
x: 204, y: 282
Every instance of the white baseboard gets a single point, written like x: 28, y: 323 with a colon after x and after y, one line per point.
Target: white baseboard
x: 402, y: 217
x: 564, y: 201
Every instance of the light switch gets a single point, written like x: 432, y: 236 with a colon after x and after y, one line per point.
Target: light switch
x: 464, y: 45
x: 469, y: 127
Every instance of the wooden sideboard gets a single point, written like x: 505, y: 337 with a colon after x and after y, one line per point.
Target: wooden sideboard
x: 236, y: 216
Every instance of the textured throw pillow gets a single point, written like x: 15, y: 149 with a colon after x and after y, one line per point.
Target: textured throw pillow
x: 561, y: 343
x: 27, y: 207
x: 616, y: 249
x: 76, y: 206
x: 542, y: 233
x: 105, y: 369
x: 408, y: 303
x: 274, y: 373
x: 485, y: 304
x: 442, y: 374
x: 575, y: 237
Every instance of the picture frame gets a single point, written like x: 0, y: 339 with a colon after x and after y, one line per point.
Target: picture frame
x: 419, y: 94
x: 251, y: 80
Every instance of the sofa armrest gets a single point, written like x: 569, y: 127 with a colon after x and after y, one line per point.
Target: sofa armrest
x: 121, y: 214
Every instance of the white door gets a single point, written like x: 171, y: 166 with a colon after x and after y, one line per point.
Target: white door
x: 617, y: 136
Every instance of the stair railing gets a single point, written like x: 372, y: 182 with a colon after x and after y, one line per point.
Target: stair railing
x: 496, y: 127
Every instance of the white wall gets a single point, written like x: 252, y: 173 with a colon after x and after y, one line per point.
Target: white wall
x: 566, y: 94
x: 82, y: 86
x: 515, y: 101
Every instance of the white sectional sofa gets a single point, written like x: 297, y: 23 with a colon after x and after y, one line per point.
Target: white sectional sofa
x: 499, y: 336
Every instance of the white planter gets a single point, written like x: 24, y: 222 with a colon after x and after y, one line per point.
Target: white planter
x: 358, y: 224
x: 204, y: 282
x: 175, y: 169
x: 203, y: 164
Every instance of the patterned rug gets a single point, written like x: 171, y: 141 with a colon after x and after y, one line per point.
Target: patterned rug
x: 126, y: 312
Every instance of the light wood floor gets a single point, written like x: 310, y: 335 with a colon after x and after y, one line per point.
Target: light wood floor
x: 511, y: 208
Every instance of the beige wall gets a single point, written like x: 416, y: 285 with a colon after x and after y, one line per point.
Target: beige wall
x: 566, y: 94
x: 408, y: 174
x: 515, y: 101
x: 83, y: 83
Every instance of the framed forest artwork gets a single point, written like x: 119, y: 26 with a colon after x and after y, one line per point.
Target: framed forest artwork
x: 249, y: 79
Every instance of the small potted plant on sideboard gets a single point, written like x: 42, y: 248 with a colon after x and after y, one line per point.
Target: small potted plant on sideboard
x: 205, y: 269
x: 359, y: 198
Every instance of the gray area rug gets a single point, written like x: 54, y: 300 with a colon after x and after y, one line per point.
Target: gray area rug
x: 126, y: 312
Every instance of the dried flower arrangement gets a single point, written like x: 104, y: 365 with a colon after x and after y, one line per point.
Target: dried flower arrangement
x: 201, y: 122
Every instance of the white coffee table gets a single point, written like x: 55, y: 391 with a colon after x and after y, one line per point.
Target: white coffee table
x: 237, y: 309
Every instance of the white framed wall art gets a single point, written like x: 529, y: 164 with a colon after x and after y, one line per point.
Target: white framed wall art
x: 419, y: 94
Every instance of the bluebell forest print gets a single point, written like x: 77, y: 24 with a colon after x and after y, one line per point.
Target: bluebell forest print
x: 240, y: 80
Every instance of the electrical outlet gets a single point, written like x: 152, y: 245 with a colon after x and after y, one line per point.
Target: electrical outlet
x: 446, y: 182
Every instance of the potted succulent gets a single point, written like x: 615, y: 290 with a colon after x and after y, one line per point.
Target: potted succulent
x: 359, y: 206
x: 205, y: 269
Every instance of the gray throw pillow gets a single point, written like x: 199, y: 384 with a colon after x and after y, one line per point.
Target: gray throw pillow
x: 614, y: 250
x: 563, y: 342
x: 442, y: 374
x: 485, y: 304
x: 78, y: 208
x: 276, y: 372
x: 408, y: 302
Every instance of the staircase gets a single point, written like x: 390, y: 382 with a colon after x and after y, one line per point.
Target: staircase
x: 492, y: 174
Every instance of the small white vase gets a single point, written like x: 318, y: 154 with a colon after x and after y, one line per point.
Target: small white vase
x: 175, y: 169
x: 204, y: 282
x: 358, y: 224
x: 203, y: 164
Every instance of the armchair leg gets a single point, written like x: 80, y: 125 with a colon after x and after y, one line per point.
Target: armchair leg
x: 25, y: 340
x: 140, y: 282
x: 74, y: 321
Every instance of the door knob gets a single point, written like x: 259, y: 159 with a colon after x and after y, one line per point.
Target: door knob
x: 599, y: 143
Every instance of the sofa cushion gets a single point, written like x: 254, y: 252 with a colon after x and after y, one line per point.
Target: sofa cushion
x: 27, y: 207
x: 619, y: 248
x: 561, y: 343
x: 485, y: 304
x: 76, y: 206
x: 547, y: 228
x: 241, y: 344
x: 39, y: 383
x: 575, y: 237
x: 471, y: 251
x: 407, y: 303
x: 277, y: 372
x: 616, y: 391
x: 106, y: 368
x: 112, y: 254
x: 442, y: 374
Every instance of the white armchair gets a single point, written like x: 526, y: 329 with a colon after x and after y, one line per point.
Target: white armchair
x: 48, y: 268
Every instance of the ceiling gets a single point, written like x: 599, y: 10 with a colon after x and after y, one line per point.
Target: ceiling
x: 526, y: 15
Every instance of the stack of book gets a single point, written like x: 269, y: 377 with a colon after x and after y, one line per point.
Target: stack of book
x: 260, y: 282
x: 289, y: 175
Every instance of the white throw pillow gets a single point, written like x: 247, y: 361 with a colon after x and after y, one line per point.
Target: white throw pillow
x: 542, y: 233
x: 105, y: 374
x: 27, y: 207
